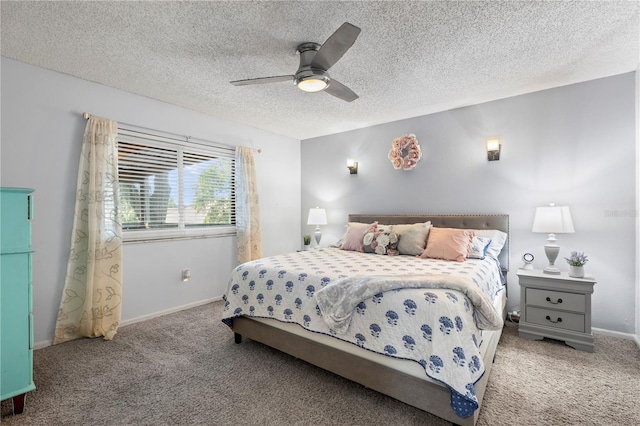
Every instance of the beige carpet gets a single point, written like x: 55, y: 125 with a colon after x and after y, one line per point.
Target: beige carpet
x: 184, y: 369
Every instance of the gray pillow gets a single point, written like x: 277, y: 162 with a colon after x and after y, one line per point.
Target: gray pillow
x: 412, y: 238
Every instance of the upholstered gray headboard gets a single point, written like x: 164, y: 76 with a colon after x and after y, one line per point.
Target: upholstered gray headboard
x: 463, y: 221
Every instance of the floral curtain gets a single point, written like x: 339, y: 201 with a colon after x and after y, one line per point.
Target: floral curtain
x: 247, y: 207
x: 91, y: 301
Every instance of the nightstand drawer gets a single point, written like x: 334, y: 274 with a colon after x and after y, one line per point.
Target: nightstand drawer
x: 557, y: 319
x: 556, y: 299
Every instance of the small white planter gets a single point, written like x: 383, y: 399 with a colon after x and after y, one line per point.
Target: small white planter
x: 576, y: 271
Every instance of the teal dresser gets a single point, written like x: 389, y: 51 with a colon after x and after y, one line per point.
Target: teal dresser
x: 16, y: 318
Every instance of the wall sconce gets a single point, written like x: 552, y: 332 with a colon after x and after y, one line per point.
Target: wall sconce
x: 493, y: 149
x: 352, y: 165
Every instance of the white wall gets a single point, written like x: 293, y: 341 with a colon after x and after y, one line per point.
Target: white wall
x: 638, y: 205
x: 573, y: 145
x: 42, y: 128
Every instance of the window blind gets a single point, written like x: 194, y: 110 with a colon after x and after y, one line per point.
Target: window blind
x: 172, y: 188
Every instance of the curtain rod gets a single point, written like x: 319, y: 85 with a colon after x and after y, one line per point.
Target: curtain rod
x: 87, y: 116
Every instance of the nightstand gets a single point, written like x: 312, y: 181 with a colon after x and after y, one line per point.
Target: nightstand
x: 557, y: 307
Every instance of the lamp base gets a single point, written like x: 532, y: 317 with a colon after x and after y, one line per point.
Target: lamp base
x: 551, y: 250
x: 318, y: 235
x: 552, y: 270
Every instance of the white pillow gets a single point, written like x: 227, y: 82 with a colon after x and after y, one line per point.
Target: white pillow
x: 478, y: 247
x: 498, y: 239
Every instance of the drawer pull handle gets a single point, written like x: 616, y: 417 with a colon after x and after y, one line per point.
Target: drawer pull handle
x: 555, y: 322
x: 555, y: 303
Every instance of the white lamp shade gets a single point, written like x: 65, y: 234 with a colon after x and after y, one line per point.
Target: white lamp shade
x: 317, y: 216
x: 553, y: 220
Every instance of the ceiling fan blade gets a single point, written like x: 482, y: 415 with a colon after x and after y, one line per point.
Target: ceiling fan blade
x: 335, y: 46
x: 263, y: 80
x: 341, y: 91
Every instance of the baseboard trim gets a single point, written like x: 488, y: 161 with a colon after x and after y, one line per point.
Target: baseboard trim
x: 42, y: 344
x: 45, y: 343
x: 612, y: 333
x: 169, y: 311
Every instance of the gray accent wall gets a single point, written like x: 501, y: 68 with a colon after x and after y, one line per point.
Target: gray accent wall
x: 42, y: 129
x: 573, y: 145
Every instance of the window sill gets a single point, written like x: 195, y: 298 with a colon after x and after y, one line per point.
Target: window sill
x: 132, y: 237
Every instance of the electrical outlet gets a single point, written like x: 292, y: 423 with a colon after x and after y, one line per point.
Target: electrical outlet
x: 186, y: 274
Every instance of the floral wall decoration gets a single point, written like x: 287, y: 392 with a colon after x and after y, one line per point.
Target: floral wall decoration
x: 405, y: 152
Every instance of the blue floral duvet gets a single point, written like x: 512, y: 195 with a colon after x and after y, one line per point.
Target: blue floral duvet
x: 432, y: 326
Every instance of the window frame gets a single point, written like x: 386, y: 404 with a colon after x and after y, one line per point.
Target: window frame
x: 152, y: 139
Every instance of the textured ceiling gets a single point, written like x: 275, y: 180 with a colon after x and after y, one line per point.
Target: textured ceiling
x: 411, y: 58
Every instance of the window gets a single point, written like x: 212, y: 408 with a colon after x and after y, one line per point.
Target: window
x: 171, y: 188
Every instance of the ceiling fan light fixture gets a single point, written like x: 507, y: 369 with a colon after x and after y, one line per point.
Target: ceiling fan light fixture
x: 315, y: 60
x: 312, y: 83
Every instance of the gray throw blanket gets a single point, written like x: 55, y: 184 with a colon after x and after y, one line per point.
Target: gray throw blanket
x: 338, y: 299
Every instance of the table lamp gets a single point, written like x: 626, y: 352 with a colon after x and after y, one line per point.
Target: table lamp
x: 317, y: 216
x: 552, y: 220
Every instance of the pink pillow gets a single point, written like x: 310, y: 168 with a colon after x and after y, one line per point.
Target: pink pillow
x: 352, y: 239
x: 448, y: 244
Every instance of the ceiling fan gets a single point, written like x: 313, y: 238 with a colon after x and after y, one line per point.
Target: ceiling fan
x: 315, y: 61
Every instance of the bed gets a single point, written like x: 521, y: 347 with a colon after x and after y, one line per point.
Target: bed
x: 362, y: 316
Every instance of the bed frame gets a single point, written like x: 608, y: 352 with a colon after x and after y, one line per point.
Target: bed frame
x: 428, y: 396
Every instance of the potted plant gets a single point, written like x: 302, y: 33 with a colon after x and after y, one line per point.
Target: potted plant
x: 576, y: 264
x: 307, y: 241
